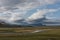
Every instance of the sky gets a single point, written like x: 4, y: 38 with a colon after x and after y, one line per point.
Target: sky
x: 29, y: 10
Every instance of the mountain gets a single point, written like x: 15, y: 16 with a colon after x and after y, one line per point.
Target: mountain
x: 23, y: 22
x: 38, y: 22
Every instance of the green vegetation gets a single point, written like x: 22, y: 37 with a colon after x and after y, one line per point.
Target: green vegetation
x: 35, y: 36
x: 49, y: 33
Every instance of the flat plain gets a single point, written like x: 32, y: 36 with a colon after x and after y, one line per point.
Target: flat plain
x: 30, y: 33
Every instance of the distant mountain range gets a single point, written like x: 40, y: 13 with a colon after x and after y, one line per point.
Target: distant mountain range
x: 37, y: 22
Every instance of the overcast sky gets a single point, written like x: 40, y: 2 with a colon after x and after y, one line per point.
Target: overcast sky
x: 29, y: 9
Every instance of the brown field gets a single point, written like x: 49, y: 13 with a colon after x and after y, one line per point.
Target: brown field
x: 30, y: 33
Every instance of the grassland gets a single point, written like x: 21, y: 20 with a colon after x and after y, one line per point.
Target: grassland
x: 49, y: 33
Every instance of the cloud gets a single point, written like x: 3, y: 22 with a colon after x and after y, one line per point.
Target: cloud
x: 16, y: 9
x: 23, y: 4
x: 6, y: 5
x: 11, y: 16
x: 20, y: 4
x: 47, y: 2
x: 40, y: 14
